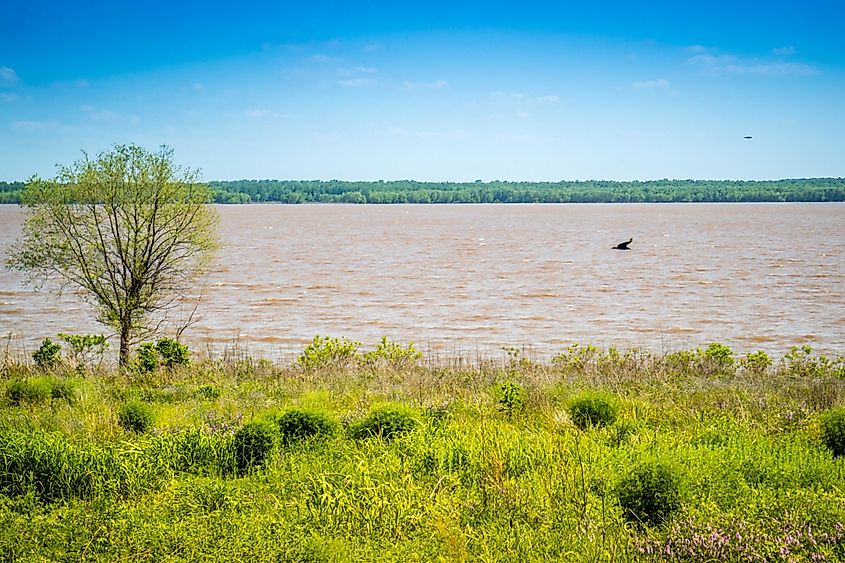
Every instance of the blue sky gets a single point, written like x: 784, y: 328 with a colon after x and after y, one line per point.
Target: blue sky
x: 429, y: 91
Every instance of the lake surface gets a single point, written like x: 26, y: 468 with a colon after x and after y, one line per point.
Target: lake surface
x: 471, y: 279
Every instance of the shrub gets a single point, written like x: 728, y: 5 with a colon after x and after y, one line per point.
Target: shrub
x: 39, y: 390
x: 756, y: 362
x: 62, y: 389
x: 592, y: 409
x: 832, y: 425
x: 48, y: 355
x: 253, y: 444
x: 86, y: 348
x: 147, y: 358
x: 391, y: 355
x: 28, y: 391
x: 172, y: 353
x: 718, y: 357
x: 650, y: 494
x: 510, y: 397
x: 209, y: 392
x: 297, y: 425
x: 387, y: 422
x: 324, y: 352
x: 136, y: 417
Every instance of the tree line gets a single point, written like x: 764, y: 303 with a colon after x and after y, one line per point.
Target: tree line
x: 590, y: 191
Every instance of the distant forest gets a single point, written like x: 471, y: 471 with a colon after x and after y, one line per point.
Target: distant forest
x: 590, y: 191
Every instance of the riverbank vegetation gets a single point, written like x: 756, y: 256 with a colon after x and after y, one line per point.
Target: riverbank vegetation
x: 381, y: 454
x: 590, y: 191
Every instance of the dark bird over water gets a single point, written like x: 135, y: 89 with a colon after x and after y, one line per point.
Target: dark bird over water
x: 624, y: 245
x: 747, y: 137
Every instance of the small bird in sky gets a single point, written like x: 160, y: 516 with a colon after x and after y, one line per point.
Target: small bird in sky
x: 747, y: 137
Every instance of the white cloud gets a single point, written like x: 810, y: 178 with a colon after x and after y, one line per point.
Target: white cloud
x: 33, y: 126
x: 356, y: 82
x: 731, y: 64
x: 103, y: 115
x: 518, y: 98
x: 522, y: 114
x: 784, y: 51
x: 437, y: 85
x: 658, y: 84
x: 8, y: 76
x: 365, y: 69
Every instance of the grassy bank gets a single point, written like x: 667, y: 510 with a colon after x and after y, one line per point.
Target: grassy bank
x: 596, y: 456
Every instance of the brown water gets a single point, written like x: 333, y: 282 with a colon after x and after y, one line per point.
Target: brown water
x: 473, y: 278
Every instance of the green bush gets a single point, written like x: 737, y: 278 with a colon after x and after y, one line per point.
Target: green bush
x: 172, y: 353
x: 136, y: 417
x: 209, y: 392
x: 592, y: 409
x: 325, y: 352
x: 510, y: 397
x: 253, y: 444
x: 391, y: 355
x: 39, y: 390
x: 832, y: 426
x: 147, y: 358
x: 298, y: 424
x: 650, y: 494
x: 387, y: 422
x: 48, y: 355
x: 86, y: 349
x: 28, y: 392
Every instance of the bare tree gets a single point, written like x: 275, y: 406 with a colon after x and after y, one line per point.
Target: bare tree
x: 129, y: 231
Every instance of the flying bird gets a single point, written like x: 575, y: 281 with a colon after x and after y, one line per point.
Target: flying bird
x: 747, y: 137
x: 624, y: 245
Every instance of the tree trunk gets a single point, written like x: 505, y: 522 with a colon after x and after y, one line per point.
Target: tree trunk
x: 123, y: 360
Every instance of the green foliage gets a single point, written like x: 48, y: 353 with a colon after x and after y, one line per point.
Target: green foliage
x: 253, y: 445
x: 801, y: 363
x: 575, y: 357
x: 832, y: 426
x: 172, y: 353
x: 209, y: 392
x: 28, y: 392
x: 510, y: 397
x: 128, y: 230
x: 756, y: 362
x: 391, y: 355
x: 136, y: 417
x: 718, y: 356
x: 147, y: 358
x: 297, y: 425
x: 650, y: 493
x: 591, y: 191
x: 164, y: 352
x: 39, y: 390
x: 592, y: 409
x: 85, y: 349
x: 48, y: 355
x: 386, y: 422
x: 326, y: 352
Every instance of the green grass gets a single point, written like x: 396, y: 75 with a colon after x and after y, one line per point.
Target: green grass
x: 754, y: 472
